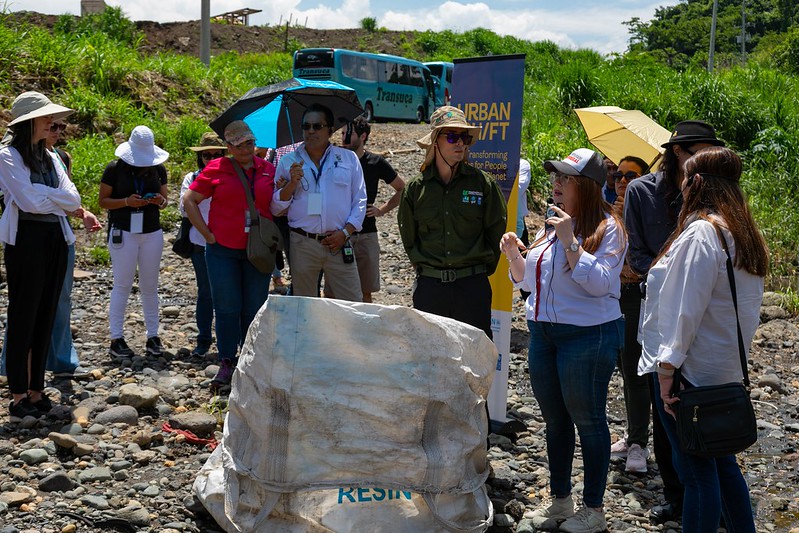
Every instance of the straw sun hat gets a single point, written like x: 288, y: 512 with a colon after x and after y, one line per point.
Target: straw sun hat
x: 209, y: 141
x: 445, y: 117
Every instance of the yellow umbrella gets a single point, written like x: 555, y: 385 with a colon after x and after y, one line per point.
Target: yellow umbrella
x: 618, y: 132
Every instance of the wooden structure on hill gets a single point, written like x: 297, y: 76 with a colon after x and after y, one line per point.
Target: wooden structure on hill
x: 240, y: 17
x: 87, y: 7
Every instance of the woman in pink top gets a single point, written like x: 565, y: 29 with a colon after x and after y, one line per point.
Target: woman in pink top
x: 238, y: 289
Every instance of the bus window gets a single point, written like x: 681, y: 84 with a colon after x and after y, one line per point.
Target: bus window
x: 416, y: 77
x: 314, y: 59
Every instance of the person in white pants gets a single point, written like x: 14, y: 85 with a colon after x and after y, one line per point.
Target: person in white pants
x: 134, y: 190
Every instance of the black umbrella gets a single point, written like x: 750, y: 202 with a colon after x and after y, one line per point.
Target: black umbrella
x: 274, y: 113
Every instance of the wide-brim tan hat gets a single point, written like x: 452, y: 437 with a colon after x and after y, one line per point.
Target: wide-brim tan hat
x: 30, y: 105
x: 445, y: 117
x: 209, y: 141
x: 140, y: 150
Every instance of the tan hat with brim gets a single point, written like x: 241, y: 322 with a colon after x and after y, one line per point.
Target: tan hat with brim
x: 209, y: 141
x: 445, y: 117
x: 30, y: 105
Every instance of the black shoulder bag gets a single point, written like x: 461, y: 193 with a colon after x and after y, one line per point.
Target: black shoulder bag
x: 717, y: 420
x: 264, y: 238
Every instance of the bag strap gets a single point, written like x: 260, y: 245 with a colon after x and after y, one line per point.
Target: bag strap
x: 731, y: 277
x: 246, y: 184
x: 734, y: 292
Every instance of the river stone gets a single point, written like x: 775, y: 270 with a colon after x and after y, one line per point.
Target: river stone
x: 98, y: 473
x: 138, y: 396
x: 63, y: 440
x: 200, y: 423
x: 57, y: 481
x: 125, y: 414
x: 34, y: 456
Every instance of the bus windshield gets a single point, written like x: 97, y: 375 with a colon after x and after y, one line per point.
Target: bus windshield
x: 388, y: 87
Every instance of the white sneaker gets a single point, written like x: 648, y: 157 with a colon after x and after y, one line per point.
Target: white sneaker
x: 586, y: 520
x: 636, y: 459
x: 548, y: 517
x: 619, y: 448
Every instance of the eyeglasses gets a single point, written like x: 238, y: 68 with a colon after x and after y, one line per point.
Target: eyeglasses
x: 306, y: 126
x: 452, y: 137
x: 557, y: 177
x: 56, y: 127
x: 629, y: 175
x: 208, y: 155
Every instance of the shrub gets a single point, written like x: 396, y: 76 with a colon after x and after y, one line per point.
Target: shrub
x: 369, y: 24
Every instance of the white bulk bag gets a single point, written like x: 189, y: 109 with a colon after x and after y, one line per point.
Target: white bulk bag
x: 332, y: 396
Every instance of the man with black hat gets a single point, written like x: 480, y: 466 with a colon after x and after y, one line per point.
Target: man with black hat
x: 451, y: 220
x: 651, y: 206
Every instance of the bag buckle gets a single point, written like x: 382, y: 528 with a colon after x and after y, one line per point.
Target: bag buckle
x: 448, y: 276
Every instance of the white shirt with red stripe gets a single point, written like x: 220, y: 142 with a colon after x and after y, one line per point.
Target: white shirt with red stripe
x: 585, y: 296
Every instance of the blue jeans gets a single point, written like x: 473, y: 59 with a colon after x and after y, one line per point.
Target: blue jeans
x: 570, y: 368
x: 204, y: 310
x: 62, y: 356
x: 713, y: 486
x: 238, y: 291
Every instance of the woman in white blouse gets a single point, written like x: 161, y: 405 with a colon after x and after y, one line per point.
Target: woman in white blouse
x: 38, y: 195
x: 689, y: 323
x: 576, y: 331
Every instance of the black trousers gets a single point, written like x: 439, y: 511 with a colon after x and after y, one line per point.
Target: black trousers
x: 35, y: 267
x: 467, y: 299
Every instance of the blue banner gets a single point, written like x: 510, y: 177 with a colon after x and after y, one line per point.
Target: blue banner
x: 489, y: 90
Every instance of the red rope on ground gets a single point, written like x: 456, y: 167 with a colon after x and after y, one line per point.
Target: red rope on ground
x: 212, y: 443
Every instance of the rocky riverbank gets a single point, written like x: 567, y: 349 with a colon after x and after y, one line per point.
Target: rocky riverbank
x: 106, y: 457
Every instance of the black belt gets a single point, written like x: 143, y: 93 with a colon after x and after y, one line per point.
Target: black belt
x: 450, y: 275
x: 314, y: 236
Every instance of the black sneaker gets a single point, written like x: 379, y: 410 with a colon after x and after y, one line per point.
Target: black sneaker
x: 44, y: 406
x: 202, y: 348
x: 119, y: 348
x: 23, y: 408
x: 154, y: 347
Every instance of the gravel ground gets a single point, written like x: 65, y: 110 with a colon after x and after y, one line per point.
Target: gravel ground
x: 102, y: 454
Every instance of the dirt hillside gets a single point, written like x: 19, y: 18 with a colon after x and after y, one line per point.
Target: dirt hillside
x: 184, y: 37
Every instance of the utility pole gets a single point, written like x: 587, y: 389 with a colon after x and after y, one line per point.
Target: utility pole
x: 205, y: 32
x: 744, y: 37
x: 712, y: 37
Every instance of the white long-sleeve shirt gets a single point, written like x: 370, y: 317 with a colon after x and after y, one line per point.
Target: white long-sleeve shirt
x: 340, y: 183
x: 195, y: 237
x: 21, y: 194
x: 587, y: 295
x: 688, y: 315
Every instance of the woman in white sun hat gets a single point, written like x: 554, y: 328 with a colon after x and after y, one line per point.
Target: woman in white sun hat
x: 134, y: 190
x: 38, y: 195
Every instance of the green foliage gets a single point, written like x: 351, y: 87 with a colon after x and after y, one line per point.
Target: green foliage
x: 369, y: 24
x: 786, y: 55
x: 110, y: 22
x: 683, y: 30
x: 99, y: 255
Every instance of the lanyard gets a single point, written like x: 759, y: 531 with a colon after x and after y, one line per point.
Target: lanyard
x: 318, y: 175
x: 538, y: 277
x: 250, y: 180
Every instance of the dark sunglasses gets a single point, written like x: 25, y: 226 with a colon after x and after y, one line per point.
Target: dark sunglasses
x: 207, y: 155
x: 57, y: 127
x: 452, y: 137
x: 306, y: 126
x: 630, y: 175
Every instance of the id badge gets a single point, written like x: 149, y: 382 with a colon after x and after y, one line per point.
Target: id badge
x: 137, y: 222
x: 315, y: 203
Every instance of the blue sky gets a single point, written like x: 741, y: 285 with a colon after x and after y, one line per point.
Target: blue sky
x: 569, y: 23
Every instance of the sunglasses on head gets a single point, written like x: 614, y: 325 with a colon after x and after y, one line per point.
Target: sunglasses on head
x: 208, y: 155
x: 306, y: 126
x: 453, y: 137
x: 56, y: 127
x: 629, y: 175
